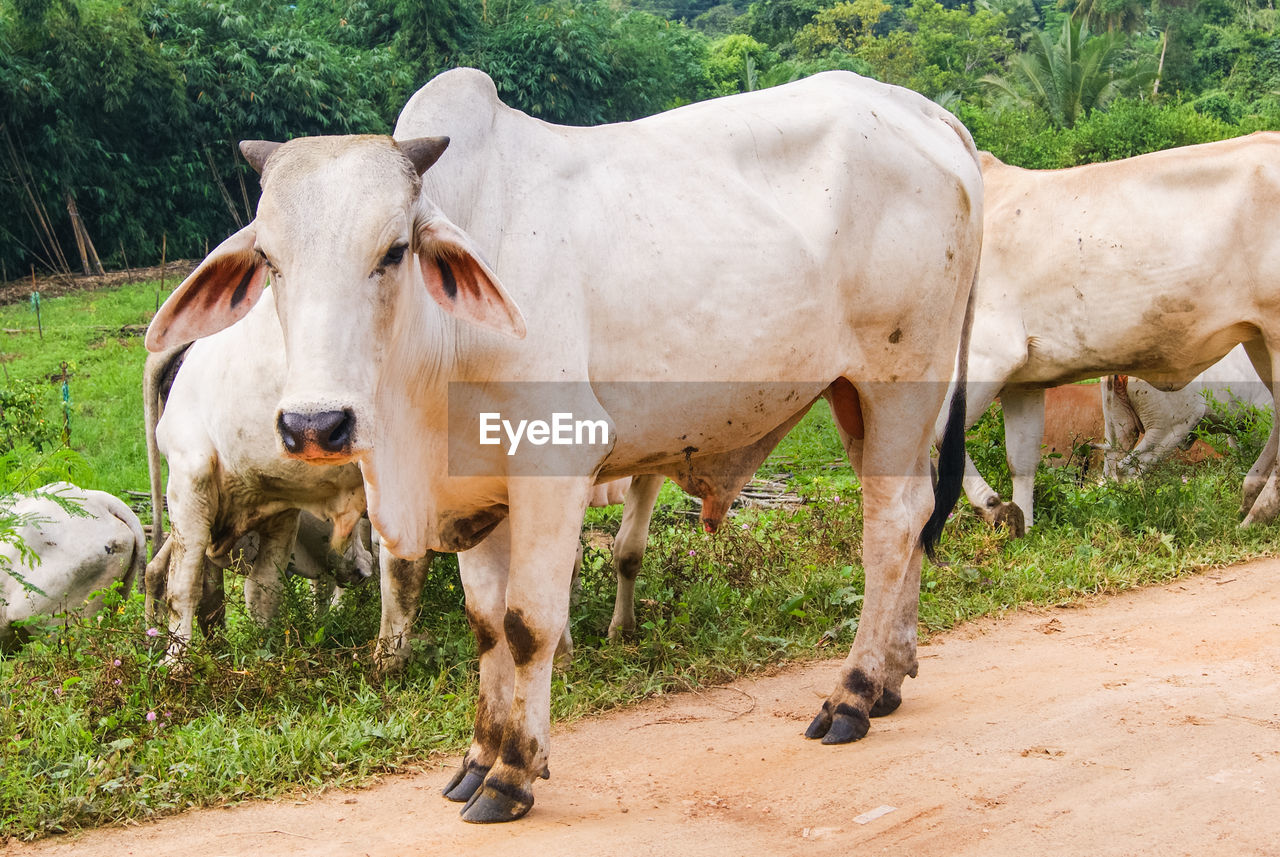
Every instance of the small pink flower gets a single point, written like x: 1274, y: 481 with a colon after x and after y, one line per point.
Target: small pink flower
x: 745, y: 527
x: 837, y: 498
x: 151, y: 717
x: 693, y: 553
x: 152, y: 632
x: 57, y: 691
x: 116, y: 662
x: 116, y: 682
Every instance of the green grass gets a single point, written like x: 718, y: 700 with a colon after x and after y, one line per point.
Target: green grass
x: 98, y: 336
x: 254, y: 713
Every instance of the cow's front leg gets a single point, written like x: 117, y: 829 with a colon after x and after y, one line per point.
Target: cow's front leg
x: 984, y: 499
x: 546, y: 515
x: 1023, y: 431
x: 897, y: 499
x: 1262, y: 474
x: 484, y: 580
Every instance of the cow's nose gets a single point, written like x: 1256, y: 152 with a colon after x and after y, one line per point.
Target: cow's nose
x: 329, y: 430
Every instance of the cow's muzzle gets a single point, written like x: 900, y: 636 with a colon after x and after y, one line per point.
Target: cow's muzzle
x: 320, y: 435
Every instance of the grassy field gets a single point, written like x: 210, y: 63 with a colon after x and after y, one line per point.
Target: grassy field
x: 94, y: 729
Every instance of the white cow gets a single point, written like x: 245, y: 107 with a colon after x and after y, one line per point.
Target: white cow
x: 1151, y: 266
x: 1166, y: 420
x: 75, y: 554
x: 694, y: 281
x: 210, y: 411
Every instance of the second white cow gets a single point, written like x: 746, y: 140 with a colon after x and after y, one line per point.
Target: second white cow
x: 1154, y: 266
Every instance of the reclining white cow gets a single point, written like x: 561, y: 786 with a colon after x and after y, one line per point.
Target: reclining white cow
x: 1166, y: 420
x: 1153, y: 266
x: 696, y: 280
x: 210, y: 411
x: 76, y: 554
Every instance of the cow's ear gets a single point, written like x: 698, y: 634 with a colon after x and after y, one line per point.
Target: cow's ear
x: 219, y: 292
x: 460, y: 282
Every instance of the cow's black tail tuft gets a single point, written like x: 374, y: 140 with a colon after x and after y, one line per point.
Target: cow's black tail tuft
x: 950, y: 473
x: 951, y: 452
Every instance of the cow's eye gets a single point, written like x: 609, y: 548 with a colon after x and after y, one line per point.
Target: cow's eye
x: 271, y: 268
x: 394, y: 256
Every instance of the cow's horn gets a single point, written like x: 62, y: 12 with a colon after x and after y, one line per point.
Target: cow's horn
x: 422, y: 152
x: 256, y: 153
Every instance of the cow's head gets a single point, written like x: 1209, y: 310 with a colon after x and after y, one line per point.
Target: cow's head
x: 344, y: 233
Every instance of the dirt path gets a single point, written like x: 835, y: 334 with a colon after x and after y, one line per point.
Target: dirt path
x: 1148, y: 723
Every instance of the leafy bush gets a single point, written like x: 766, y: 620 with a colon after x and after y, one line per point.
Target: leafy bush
x: 24, y: 408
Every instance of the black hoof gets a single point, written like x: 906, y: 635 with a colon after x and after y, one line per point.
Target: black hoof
x: 497, y: 802
x: 465, y: 782
x: 847, y: 726
x: 820, y: 724
x: 887, y: 703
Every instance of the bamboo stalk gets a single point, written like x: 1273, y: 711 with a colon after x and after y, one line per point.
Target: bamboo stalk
x: 128, y: 272
x: 74, y: 214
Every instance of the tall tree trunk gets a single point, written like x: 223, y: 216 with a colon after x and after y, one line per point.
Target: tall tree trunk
x: 1164, y: 45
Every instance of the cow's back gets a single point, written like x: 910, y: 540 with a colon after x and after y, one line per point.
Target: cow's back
x: 836, y: 218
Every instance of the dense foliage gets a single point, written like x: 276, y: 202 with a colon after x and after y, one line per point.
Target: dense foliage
x: 128, y: 111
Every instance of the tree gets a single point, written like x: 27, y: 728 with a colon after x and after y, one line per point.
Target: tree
x: 587, y: 63
x: 839, y: 27
x: 1069, y: 76
x: 734, y: 61
x: 938, y: 50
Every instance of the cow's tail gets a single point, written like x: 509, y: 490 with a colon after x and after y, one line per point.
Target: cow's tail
x: 951, y: 452
x: 157, y: 379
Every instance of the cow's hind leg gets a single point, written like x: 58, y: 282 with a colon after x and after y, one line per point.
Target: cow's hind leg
x: 893, y: 461
x: 401, y: 581
x: 628, y: 550
x: 1261, y: 476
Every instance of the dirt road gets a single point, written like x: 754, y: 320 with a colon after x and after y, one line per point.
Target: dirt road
x: 1147, y: 723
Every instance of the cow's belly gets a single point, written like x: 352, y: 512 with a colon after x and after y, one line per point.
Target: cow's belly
x: 659, y: 425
